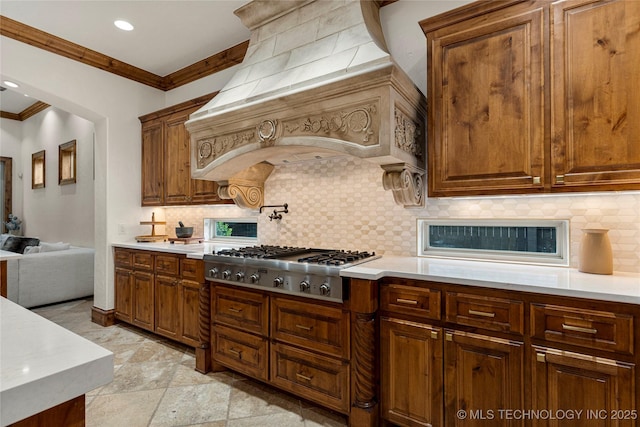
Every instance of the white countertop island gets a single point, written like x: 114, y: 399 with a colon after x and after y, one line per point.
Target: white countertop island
x: 43, y: 365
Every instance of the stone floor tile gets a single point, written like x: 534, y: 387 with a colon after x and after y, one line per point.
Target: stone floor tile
x: 316, y: 417
x: 252, y: 399
x: 140, y: 376
x: 192, y: 404
x: 283, y: 419
x: 123, y: 409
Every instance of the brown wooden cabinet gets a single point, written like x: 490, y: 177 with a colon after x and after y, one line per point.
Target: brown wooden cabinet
x: 166, y: 164
x: 167, y: 306
x: 429, y: 370
x: 299, y: 346
x: 533, y: 96
x: 483, y: 374
x: 491, y: 353
x: 143, y: 300
x: 134, y: 288
x: 564, y: 381
x: 159, y: 292
x: 595, y: 81
x: 411, y: 377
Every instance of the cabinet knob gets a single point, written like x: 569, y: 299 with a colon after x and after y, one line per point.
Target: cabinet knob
x: 434, y: 335
x: 541, y: 357
x: 559, y: 179
x: 448, y: 336
x: 536, y: 180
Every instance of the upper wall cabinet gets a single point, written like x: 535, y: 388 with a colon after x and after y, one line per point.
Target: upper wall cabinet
x: 533, y: 96
x: 166, y: 167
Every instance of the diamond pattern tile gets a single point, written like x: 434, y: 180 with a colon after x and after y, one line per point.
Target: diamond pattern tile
x: 340, y: 203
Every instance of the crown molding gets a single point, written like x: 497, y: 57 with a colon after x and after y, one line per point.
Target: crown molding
x: 33, y: 109
x: 42, y: 40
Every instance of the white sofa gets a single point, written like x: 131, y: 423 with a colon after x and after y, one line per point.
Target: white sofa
x: 50, y: 277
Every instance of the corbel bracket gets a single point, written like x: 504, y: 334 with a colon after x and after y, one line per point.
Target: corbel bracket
x: 246, y: 188
x: 406, y: 183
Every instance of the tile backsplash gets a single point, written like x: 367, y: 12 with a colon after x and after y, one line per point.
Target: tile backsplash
x: 340, y: 203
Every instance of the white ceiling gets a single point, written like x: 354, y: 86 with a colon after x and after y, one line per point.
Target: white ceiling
x: 168, y: 35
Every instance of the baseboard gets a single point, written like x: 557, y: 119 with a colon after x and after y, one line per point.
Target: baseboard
x: 103, y: 317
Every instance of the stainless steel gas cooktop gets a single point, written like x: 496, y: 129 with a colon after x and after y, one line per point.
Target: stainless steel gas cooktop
x: 307, y: 272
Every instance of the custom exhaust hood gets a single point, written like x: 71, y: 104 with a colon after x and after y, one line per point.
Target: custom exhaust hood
x: 316, y: 82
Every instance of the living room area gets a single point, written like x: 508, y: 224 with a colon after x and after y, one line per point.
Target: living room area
x: 48, y: 206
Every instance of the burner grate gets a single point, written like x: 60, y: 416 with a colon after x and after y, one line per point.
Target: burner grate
x: 263, y: 252
x: 336, y: 257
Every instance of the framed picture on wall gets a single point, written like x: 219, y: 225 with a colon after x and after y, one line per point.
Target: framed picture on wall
x: 67, y: 163
x: 38, y: 172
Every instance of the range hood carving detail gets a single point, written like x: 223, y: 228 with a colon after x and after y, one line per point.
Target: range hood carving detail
x: 316, y: 82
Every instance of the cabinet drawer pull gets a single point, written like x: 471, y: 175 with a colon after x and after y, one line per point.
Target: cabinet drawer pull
x: 579, y: 329
x: 541, y: 357
x: 235, y: 310
x: 304, y: 377
x: 304, y: 328
x: 406, y: 301
x: 236, y: 353
x: 482, y: 313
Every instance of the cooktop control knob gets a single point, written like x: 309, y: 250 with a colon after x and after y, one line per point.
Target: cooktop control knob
x: 226, y: 275
x: 254, y: 278
x: 240, y: 276
x: 304, y: 286
x: 214, y: 272
x: 278, y: 282
x: 325, y: 289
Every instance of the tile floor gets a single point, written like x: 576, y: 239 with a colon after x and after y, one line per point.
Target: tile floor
x: 155, y: 384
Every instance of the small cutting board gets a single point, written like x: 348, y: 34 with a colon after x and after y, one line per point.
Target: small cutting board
x: 186, y: 240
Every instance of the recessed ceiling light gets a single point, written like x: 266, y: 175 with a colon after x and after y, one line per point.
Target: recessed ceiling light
x: 123, y: 25
x: 26, y: 95
x: 10, y: 84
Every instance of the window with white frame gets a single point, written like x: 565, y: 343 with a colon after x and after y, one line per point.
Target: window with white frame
x: 239, y: 230
x: 526, y: 241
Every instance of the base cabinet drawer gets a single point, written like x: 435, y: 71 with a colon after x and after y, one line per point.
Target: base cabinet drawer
x: 411, y: 300
x: 317, y: 327
x: 240, y: 351
x: 494, y: 314
x: 246, y: 310
x: 600, y: 330
x: 318, y: 378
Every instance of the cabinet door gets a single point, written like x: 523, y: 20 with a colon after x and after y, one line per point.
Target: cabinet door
x: 482, y: 375
x: 596, y: 106
x: 167, y: 306
x: 204, y: 191
x: 152, y: 164
x: 178, y: 162
x: 411, y: 383
x: 143, y: 306
x: 603, y: 388
x: 123, y: 294
x: 190, y: 312
x: 486, y: 102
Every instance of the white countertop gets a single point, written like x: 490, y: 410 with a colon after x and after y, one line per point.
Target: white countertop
x: 43, y: 364
x: 619, y: 287
x: 195, y: 251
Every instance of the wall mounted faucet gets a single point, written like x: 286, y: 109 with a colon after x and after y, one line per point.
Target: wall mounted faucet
x: 277, y: 214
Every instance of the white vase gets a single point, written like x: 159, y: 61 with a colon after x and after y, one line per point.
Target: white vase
x: 595, y: 252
